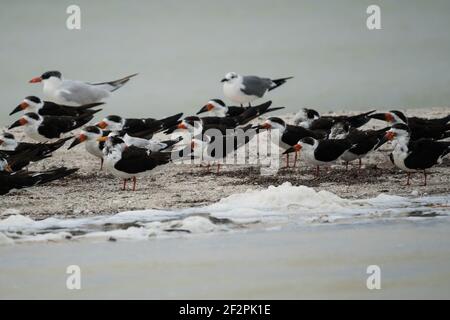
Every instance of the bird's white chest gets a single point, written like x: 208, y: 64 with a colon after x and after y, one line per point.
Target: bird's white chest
x: 51, y: 89
x: 399, y: 155
x: 32, y: 132
x: 233, y: 92
x: 92, y: 148
x: 110, y: 161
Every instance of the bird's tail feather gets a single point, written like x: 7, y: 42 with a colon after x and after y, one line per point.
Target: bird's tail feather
x: 55, y: 174
x: 116, y: 84
x: 279, y: 82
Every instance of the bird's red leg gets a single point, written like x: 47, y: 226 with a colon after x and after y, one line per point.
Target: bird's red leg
x: 407, y: 180
x: 287, y: 160
x: 218, y: 168
x: 425, y: 178
x: 134, y: 183
x: 360, y: 163
x: 101, y: 164
x: 295, y: 158
x: 124, y: 184
x: 317, y: 171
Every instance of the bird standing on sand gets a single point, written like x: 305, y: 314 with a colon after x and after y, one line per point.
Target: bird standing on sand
x: 215, y: 148
x: 321, y: 152
x: 44, y: 128
x: 47, y: 108
x: 246, y: 89
x: 364, y: 141
x: 289, y: 134
x: 75, y: 92
x: 418, y: 155
x: 129, y: 162
x: 94, y: 139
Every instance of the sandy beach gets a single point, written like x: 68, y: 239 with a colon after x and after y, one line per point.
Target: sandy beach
x: 93, y: 192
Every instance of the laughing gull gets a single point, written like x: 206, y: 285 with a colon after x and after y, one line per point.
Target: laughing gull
x: 245, y: 89
x: 75, y: 92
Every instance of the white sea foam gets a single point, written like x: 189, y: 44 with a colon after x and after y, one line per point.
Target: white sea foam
x: 270, y: 208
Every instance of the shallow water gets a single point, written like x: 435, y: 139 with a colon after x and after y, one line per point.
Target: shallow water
x: 327, y: 261
x: 182, y: 50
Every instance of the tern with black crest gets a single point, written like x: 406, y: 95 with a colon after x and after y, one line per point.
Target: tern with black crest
x: 75, y: 92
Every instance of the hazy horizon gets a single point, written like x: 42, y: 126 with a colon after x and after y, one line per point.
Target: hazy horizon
x: 182, y: 50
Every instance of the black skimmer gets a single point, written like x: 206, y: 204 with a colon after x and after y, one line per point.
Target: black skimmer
x: 419, y: 127
x: 74, y: 92
x: 363, y: 142
x: 217, y: 148
x: 415, y: 155
x: 311, y: 119
x: 44, y: 128
x: 19, y: 160
x: 245, y: 89
x: 129, y: 162
x: 47, y: 108
x: 222, y: 123
x: 94, y: 139
x: 289, y: 134
x: 142, y: 128
x: 10, y: 146
x: 219, y: 108
x: 23, y: 179
x: 321, y: 152
x: 201, y: 125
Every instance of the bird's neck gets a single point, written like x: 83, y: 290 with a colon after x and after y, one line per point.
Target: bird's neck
x: 50, y: 85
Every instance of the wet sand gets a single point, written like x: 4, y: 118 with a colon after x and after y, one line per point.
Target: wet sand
x: 92, y: 192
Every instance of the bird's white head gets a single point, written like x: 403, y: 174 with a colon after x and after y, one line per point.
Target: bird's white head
x: 274, y: 123
x: 7, y: 141
x: 29, y: 104
x: 308, y: 144
x: 112, y: 123
x: 4, y: 166
x: 230, y: 77
x: 28, y: 119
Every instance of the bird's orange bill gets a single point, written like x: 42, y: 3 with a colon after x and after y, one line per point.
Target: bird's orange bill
x: 36, y: 80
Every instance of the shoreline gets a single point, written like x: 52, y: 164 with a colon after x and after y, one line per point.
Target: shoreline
x: 91, y: 192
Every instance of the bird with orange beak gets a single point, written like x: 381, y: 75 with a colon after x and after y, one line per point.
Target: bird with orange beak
x: 321, y: 152
x: 142, y: 128
x: 415, y: 155
x: 289, y: 134
x: 94, y: 141
x: 419, y: 127
x: 75, y: 92
x: 47, y: 108
x: 129, y: 162
x: 45, y: 128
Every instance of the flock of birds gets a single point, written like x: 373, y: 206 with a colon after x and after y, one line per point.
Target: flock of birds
x: 127, y: 149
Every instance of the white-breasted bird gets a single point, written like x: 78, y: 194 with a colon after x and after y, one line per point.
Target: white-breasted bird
x: 246, y: 89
